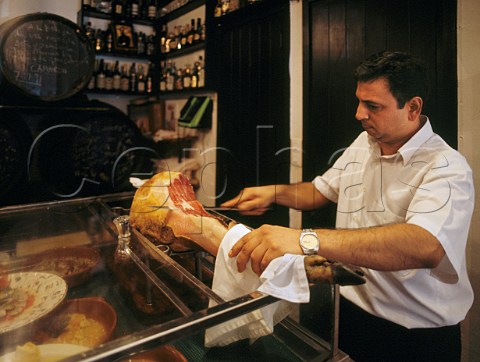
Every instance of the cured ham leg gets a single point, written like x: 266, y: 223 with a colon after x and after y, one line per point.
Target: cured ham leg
x: 165, y: 210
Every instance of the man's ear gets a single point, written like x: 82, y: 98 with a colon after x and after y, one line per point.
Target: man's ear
x: 415, y: 107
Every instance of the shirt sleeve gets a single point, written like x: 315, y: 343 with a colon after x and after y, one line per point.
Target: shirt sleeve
x: 443, y: 205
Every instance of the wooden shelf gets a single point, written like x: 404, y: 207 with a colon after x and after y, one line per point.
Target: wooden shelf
x: 179, y: 52
x: 92, y: 13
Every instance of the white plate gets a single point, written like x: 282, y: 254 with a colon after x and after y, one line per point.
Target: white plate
x: 48, y: 291
x: 51, y: 352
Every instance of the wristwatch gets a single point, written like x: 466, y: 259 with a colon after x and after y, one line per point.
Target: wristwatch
x: 309, y: 242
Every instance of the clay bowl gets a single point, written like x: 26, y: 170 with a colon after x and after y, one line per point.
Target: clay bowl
x: 74, y: 264
x: 95, y: 308
x: 164, y: 353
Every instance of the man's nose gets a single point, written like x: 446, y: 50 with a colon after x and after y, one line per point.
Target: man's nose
x: 362, y: 113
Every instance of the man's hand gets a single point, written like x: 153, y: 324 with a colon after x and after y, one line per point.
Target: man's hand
x: 264, y: 244
x: 253, y: 200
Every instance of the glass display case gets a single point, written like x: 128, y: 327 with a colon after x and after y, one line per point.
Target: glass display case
x: 132, y: 298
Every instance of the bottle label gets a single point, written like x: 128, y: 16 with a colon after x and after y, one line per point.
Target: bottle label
x: 101, y: 81
x: 141, y: 87
x: 125, y: 85
x: 116, y: 82
x: 109, y: 83
x: 134, y: 9
x: 152, y: 12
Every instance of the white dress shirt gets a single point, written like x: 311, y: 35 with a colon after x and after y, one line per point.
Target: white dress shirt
x: 426, y: 183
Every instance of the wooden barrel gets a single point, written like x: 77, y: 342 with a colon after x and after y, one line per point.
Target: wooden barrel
x: 91, y: 152
x: 15, y: 141
x: 44, y: 57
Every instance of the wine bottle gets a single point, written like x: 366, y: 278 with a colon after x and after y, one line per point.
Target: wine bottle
x: 171, y: 73
x: 141, y: 49
x: 186, y: 78
x: 149, y: 78
x: 108, y: 77
x: 125, y: 80
x: 117, y: 9
x: 133, y: 78
x: 143, y: 10
x: 200, y: 72
x: 100, y: 77
x: 117, y: 77
x: 91, y: 82
x: 163, y: 77
x: 184, y: 36
x: 152, y: 9
x: 135, y: 9
x: 197, y: 35
x: 179, y: 79
x: 191, y: 32
x: 194, y: 81
x: 163, y: 39
x: 141, y: 84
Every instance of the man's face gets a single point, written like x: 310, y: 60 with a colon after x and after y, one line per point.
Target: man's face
x: 380, y: 116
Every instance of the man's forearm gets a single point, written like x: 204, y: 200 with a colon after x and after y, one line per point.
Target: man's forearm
x: 300, y: 196
x: 391, y: 247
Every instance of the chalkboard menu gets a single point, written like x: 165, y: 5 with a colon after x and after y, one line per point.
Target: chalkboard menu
x: 14, y: 143
x: 45, y: 56
x: 92, y: 153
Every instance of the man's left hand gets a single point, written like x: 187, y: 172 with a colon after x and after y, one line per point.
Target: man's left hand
x: 264, y: 244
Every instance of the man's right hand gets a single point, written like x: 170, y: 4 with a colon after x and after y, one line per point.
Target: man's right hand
x: 253, y: 200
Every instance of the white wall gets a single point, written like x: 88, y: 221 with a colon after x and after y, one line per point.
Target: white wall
x: 468, y: 57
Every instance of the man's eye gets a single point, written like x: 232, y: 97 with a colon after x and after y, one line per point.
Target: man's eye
x: 373, y: 107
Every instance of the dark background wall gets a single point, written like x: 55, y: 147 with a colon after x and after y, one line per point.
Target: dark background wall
x: 338, y: 35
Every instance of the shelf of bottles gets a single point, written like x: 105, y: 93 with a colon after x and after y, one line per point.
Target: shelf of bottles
x: 176, y: 79
x: 113, y: 77
x: 224, y: 7
x: 182, y: 40
x: 134, y: 61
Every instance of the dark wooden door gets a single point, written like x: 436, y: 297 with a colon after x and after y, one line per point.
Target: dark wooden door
x: 251, y: 76
x: 339, y: 34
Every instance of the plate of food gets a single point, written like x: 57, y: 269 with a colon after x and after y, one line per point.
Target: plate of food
x: 42, y: 353
x: 27, y: 296
x: 74, y: 264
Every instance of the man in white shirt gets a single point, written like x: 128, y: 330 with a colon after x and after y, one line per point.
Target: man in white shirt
x: 404, y: 206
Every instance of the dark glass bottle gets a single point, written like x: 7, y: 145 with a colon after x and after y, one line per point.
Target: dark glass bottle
x: 118, y: 10
x: 191, y: 32
x: 149, y: 78
x: 124, y: 80
x: 152, y: 10
x: 135, y: 9
x: 197, y: 35
x: 141, y: 81
x: 143, y: 9
x: 108, y: 77
x: 100, y: 76
x: 133, y: 78
x: 117, y: 77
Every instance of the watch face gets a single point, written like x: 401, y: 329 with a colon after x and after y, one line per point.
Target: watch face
x: 309, y: 241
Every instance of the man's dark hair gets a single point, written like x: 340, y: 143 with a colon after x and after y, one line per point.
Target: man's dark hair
x: 406, y: 75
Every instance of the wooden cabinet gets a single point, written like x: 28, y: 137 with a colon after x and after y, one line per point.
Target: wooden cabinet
x: 249, y: 49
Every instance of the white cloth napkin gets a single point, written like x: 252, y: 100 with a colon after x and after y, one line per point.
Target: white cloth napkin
x: 284, y: 278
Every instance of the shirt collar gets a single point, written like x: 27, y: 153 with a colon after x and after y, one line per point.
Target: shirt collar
x: 417, y: 140
x: 412, y: 145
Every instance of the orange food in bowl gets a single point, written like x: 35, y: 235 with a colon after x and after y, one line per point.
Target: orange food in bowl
x: 86, y: 322
x: 163, y: 353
